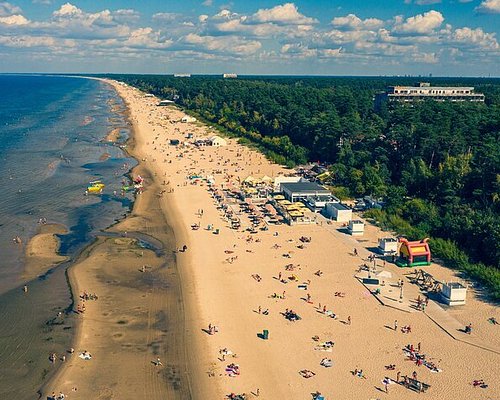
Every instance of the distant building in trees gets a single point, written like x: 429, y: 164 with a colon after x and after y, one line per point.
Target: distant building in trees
x: 424, y: 91
x: 229, y: 76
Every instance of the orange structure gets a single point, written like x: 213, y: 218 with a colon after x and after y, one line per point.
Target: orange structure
x: 412, y: 254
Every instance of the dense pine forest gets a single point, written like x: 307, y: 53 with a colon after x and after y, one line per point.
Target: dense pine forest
x: 437, y: 165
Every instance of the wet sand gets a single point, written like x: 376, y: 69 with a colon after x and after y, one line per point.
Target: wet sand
x: 41, y: 251
x: 113, y: 135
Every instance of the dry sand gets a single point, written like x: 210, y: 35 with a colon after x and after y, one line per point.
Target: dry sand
x: 225, y: 294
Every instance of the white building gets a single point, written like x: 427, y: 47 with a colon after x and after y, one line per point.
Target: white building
x: 337, y: 211
x: 217, y: 141
x: 188, y: 118
x: 388, y: 245
x: 356, y: 227
x: 226, y: 76
x: 424, y: 91
x: 453, y: 293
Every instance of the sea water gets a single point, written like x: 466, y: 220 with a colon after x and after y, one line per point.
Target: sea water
x: 52, y: 131
x: 51, y: 146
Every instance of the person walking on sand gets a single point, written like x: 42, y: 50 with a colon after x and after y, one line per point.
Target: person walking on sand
x: 395, y: 325
x: 349, y: 320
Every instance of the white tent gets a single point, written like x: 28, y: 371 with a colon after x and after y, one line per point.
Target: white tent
x: 218, y: 141
x: 187, y: 118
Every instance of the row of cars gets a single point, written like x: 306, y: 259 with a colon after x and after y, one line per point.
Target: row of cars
x: 368, y: 202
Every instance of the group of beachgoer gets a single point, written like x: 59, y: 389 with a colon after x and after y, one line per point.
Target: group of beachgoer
x: 212, y: 329
x: 88, y: 296
x: 60, y: 396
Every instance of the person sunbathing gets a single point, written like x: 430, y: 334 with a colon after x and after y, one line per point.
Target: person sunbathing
x: 340, y: 294
x: 291, y: 315
x: 390, y: 367
x: 318, y: 273
x: 479, y: 382
x: 326, y: 362
x: 306, y: 373
x: 406, y: 329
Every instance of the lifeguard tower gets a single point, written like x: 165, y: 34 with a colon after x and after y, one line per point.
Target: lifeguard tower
x: 356, y: 227
x: 453, y: 293
x: 388, y: 246
x: 414, y: 254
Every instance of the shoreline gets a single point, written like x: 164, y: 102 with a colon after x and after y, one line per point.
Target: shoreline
x: 126, y: 227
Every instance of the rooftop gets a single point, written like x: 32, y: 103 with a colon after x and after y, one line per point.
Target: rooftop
x: 304, y: 187
x: 339, y: 206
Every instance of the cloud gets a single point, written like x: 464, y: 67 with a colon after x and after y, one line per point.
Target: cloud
x: 208, y: 3
x: 24, y: 41
x: 14, y: 20
x: 7, y: 9
x: 419, y: 24
x: 147, y: 38
x: 44, y: 2
x: 277, y: 35
x: 351, y: 21
x: 287, y: 13
x: 489, y: 7
x: 302, y: 51
x: 166, y: 17
x: 225, y: 44
x: 125, y: 15
x: 67, y: 9
x: 475, y: 39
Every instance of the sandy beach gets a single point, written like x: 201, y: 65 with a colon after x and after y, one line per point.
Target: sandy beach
x: 229, y: 279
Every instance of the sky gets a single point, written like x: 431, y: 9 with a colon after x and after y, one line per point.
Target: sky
x: 304, y: 37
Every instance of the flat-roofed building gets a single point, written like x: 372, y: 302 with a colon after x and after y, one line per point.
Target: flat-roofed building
x: 338, y: 211
x: 301, y: 191
x: 424, y: 91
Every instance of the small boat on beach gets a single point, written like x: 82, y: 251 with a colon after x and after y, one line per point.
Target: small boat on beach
x: 95, y: 187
